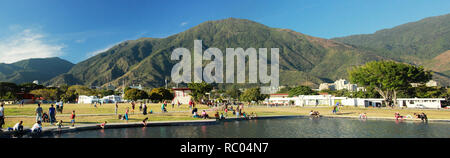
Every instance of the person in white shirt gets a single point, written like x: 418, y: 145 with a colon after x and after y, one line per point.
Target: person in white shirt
x: 2, y: 116
x: 18, y: 127
x: 37, y: 127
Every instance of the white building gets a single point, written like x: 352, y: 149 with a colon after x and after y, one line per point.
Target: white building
x: 340, y: 85
x: 430, y: 83
x: 112, y: 99
x: 83, y: 99
x: 137, y: 87
x: 182, y: 95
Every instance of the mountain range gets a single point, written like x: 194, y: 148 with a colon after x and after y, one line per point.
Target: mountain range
x: 41, y: 69
x: 304, y: 59
x: 424, y: 42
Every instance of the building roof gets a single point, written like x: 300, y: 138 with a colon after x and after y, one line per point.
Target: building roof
x: 181, y: 89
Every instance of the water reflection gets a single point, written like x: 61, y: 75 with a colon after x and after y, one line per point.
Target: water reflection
x: 281, y: 128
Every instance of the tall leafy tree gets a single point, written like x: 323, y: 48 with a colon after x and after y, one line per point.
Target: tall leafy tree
x: 199, y: 90
x: 8, y: 91
x: 253, y: 94
x: 135, y: 94
x: 28, y: 87
x: 301, y: 90
x: 234, y: 92
x: 160, y: 94
x: 388, y: 77
x: 46, y: 93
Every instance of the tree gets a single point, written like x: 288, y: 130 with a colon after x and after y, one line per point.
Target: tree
x: 253, y: 94
x: 74, y: 91
x: 284, y: 89
x: 301, y: 90
x: 135, y: 94
x: 199, y: 89
x: 160, y: 94
x: 104, y: 92
x: 28, y: 87
x: 388, y: 77
x: 47, y: 94
x: 8, y: 91
x: 234, y: 92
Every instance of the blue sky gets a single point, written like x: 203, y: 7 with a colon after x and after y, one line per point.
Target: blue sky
x: 77, y: 29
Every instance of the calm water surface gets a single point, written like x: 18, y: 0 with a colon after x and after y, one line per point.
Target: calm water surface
x: 280, y: 128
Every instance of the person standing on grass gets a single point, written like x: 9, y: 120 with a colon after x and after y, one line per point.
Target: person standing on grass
x: 61, y: 107
x: 191, y: 103
x: 179, y: 103
x: 173, y: 104
x: 52, y: 113
x: 95, y: 104
x: 132, y: 107
x: 39, y: 113
x: 144, y: 109
x: 72, y: 117
x: 2, y: 115
x: 116, y: 107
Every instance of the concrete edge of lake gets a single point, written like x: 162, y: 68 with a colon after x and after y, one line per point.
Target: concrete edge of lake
x: 83, y: 127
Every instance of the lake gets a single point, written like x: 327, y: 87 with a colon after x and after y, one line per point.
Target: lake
x: 297, y: 127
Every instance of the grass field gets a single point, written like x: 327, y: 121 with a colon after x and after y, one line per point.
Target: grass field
x: 88, y: 114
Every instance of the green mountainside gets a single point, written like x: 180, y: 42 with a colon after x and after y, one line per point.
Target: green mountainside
x: 425, y: 42
x: 42, y: 69
x: 303, y: 59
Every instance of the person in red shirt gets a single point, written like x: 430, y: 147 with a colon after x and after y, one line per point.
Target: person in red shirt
x: 73, y: 118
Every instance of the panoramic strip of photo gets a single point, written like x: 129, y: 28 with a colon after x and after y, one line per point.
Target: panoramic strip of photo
x: 225, y: 77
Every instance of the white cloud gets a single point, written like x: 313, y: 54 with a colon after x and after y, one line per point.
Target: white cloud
x: 183, y: 23
x: 27, y: 44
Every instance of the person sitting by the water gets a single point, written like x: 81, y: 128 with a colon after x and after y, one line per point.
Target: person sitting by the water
x: 18, y: 127
x: 397, y: 115
x: 144, y: 122
x: 244, y: 115
x: 217, y: 115
x: 221, y: 116
x: 103, y: 124
x: 424, y: 117
x: 37, y: 127
x: 194, y: 110
x: 362, y: 116
x: 314, y: 113
x: 196, y: 115
x: 418, y: 115
x: 45, y: 117
x: 59, y: 124
x: 205, y: 115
